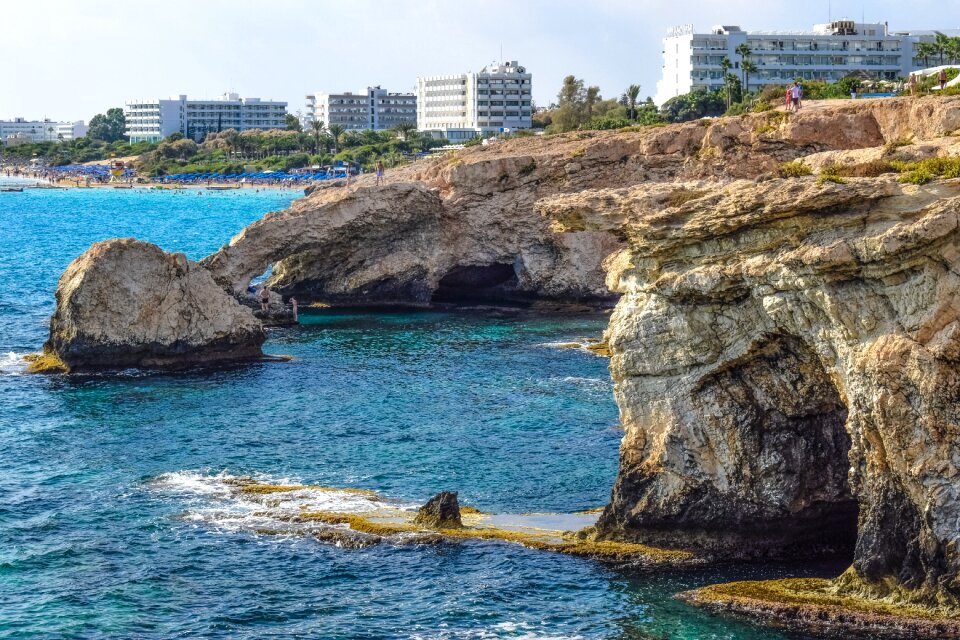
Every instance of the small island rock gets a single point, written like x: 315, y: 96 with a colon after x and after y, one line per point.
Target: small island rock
x: 127, y: 303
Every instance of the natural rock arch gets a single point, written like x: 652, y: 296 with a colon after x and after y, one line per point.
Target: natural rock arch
x: 860, y: 283
x: 395, y: 243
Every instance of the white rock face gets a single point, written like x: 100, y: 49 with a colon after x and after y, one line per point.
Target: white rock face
x: 126, y: 303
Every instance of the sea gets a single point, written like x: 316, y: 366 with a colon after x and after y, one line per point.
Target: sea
x: 118, y: 517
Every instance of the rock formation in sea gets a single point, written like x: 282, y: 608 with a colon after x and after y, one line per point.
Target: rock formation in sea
x: 785, y: 356
x: 442, y: 511
x: 126, y: 303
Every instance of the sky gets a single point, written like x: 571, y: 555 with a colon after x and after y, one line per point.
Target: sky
x: 71, y: 59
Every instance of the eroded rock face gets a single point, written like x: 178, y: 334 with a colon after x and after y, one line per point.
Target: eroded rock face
x: 475, y: 209
x: 126, y: 303
x: 781, y: 348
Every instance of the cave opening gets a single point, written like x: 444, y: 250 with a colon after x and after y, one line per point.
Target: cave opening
x: 496, y: 282
x: 777, y: 413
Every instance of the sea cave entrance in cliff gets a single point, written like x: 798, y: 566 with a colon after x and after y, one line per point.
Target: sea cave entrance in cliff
x: 785, y: 421
x: 495, y: 282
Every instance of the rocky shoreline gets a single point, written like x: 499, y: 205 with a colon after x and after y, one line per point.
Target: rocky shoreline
x: 784, y: 346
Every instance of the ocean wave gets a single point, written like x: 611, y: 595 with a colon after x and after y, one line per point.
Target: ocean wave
x: 597, y: 384
x: 260, y: 504
x: 13, y: 364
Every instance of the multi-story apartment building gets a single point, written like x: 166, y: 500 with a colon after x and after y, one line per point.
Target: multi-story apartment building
x: 21, y: 130
x: 154, y: 120
x: 374, y: 108
x: 459, y: 107
x: 829, y: 52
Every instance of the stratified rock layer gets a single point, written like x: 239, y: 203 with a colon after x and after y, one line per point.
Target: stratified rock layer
x: 780, y: 348
x: 126, y: 303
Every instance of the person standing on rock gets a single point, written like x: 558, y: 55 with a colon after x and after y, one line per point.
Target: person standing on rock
x: 942, y: 78
x: 294, y: 305
x: 795, y: 93
x: 264, y: 298
x: 913, y: 84
x: 379, y: 173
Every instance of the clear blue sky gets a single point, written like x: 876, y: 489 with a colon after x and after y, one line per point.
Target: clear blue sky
x: 72, y: 59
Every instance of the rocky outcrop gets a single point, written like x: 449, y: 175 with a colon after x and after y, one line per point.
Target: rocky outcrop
x: 464, y: 226
x: 442, y: 511
x: 126, y: 303
x: 782, y: 349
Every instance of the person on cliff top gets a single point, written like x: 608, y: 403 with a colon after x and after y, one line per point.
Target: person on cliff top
x: 942, y: 78
x: 379, y: 173
x: 913, y: 84
x: 795, y: 94
x: 789, y: 99
x: 264, y: 298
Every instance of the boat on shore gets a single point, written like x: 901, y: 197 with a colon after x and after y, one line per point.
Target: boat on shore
x: 11, y: 190
x: 223, y: 188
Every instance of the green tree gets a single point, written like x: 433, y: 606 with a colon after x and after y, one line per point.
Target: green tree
x: 317, y: 126
x: 748, y: 68
x: 743, y: 50
x: 592, y: 97
x: 633, y: 92
x: 571, y: 103
x: 292, y: 122
x: 404, y: 129
x: 942, y: 45
x: 336, y: 131
x: 108, y: 127
x: 925, y: 51
x: 725, y: 66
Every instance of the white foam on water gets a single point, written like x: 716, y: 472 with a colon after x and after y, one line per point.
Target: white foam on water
x: 502, y: 631
x: 600, y: 384
x: 216, y: 502
x: 13, y: 364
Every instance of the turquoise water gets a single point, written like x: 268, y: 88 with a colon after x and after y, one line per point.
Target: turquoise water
x: 116, y: 519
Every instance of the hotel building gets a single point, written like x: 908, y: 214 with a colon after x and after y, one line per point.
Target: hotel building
x: 459, y: 107
x: 21, y: 130
x: 374, y: 108
x: 154, y: 120
x: 829, y: 52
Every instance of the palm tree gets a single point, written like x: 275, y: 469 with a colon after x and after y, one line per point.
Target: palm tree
x: 633, y: 93
x: 942, y: 45
x: 744, y: 51
x: 953, y: 50
x: 924, y: 52
x: 748, y: 68
x: 336, y: 130
x: 317, y: 126
x: 725, y: 65
x: 404, y: 129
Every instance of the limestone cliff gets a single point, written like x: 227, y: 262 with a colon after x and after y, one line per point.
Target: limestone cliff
x: 126, y: 303
x: 781, y: 349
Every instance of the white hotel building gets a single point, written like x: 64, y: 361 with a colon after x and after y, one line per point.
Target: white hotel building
x: 21, y: 130
x: 154, y: 120
x: 374, y: 108
x: 460, y: 107
x: 829, y: 52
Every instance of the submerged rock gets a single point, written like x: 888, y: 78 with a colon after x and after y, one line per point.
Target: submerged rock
x: 126, y: 303
x: 442, y: 511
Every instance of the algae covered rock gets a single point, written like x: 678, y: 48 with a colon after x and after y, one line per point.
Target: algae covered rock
x: 127, y: 303
x: 442, y: 511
